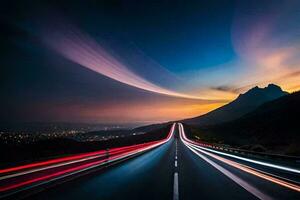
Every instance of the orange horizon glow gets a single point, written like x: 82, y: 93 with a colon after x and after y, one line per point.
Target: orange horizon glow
x: 151, y: 111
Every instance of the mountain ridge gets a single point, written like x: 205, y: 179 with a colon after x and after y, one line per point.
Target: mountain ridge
x: 273, y: 125
x: 243, y: 104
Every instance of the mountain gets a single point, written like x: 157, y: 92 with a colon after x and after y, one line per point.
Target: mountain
x: 273, y: 125
x: 243, y: 104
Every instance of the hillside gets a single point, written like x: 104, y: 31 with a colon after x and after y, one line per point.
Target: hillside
x: 243, y: 104
x: 273, y: 125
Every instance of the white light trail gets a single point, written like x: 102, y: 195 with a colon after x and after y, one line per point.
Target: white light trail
x: 289, y: 169
x: 242, y: 167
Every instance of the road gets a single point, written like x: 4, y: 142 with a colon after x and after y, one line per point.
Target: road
x: 174, y: 170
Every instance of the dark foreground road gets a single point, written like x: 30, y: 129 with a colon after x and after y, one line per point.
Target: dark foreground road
x: 170, y: 171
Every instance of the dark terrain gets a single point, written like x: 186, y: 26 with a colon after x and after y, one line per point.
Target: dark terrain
x: 272, y: 127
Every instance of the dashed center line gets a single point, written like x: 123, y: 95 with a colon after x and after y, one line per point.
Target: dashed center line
x: 175, y: 187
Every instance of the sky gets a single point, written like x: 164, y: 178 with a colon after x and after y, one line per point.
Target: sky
x: 141, y: 61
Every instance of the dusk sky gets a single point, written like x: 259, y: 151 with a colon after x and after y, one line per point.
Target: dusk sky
x: 141, y: 61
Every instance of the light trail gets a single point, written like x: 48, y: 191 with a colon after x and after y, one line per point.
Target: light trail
x: 242, y: 167
x: 254, y: 172
x: 117, y: 154
x: 233, y: 177
x: 48, y: 167
x: 72, y: 159
x: 252, y: 161
x: 60, y: 164
x: 38, y: 164
x: 284, y: 168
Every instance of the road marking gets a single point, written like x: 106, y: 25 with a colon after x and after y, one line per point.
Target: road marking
x: 175, y: 187
x: 175, y: 163
x: 175, y: 157
x: 176, y: 149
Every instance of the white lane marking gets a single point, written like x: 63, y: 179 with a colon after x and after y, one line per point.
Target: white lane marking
x: 175, y: 157
x: 233, y: 177
x: 176, y: 148
x: 175, y: 187
x: 175, y: 163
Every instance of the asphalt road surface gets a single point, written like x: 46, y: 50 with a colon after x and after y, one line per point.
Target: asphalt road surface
x: 171, y: 171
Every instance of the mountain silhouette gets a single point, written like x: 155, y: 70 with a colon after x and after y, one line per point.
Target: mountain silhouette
x: 274, y: 125
x: 243, y: 104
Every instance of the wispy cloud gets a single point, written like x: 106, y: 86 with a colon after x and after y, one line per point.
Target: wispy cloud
x: 224, y: 88
x: 87, y: 52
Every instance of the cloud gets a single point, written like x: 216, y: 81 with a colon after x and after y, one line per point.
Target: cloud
x: 224, y: 88
x: 87, y: 52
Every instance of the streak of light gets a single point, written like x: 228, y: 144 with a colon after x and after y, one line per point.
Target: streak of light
x: 118, y: 154
x: 289, y: 169
x: 242, y: 167
x: 233, y: 177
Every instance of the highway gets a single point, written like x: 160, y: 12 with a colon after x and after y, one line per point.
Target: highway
x: 175, y: 169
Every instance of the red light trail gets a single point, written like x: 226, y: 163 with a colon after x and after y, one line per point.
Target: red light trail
x: 25, y: 175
